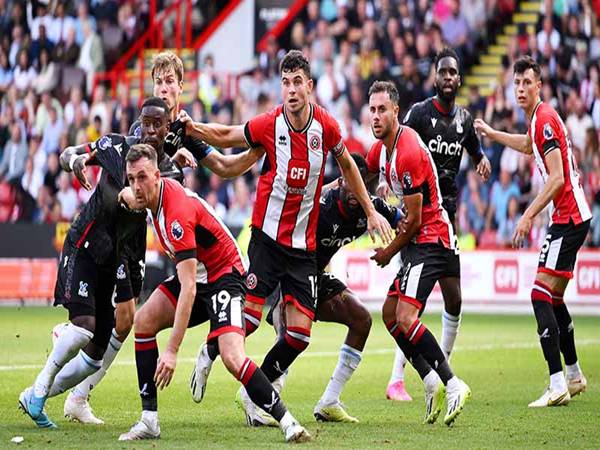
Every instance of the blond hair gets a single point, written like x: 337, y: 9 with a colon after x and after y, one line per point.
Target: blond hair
x: 164, y: 61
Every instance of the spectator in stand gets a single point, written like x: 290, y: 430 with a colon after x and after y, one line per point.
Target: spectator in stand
x: 76, y: 127
x: 409, y: 84
x: 123, y: 112
x: 240, y: 209
x: 352, y: 143
x: 83, y: 19
x: 331, y: 86
x: 48, y: 207
x: 128, y: 23
x: 67, y: 51
x: 208, y: 84
x: 345, y: 59
x: 6, y: 73
x: 14, y: 156
x: 42, y: 115
x: 52, y: 132
x: 578, y: 123
x: 32, y: 180
x: 507, y: 225
x: 42, y: 18
x: 67, y: 197
x: 455, y: 30
x: 16, y: 45
x: 212, y: 199
x: 61, y: 24
x: 42, y: 43
x: 548, y: 35
x: 24, y: 73
x: 101, y: 108
x: 91, y: 56
x: 49, y: 73
x: 364, y: 133
x: 76, y: 101
x: 473, y: 205
x: 94, y: 130
x: 502, y: 191
x: 52, y: 173
x: 378, y: 70
x: 476, y: 102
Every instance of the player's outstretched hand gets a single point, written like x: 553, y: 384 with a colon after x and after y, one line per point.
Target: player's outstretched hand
x: 521, y: 232
x: 79, y: 166
x: 184, y: 158
x: 376, y: 223
x: 165, y: 369
x: 381, y: 257
x: 484, y: 168
x: 482, y: 128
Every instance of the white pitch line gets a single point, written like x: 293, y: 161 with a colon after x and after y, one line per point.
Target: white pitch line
x: 381, y: 351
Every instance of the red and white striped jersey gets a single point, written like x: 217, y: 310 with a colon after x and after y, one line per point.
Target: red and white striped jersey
x: 548, y: 132
x: 189, y: 227
x: 410, y: 170
x: 289, y: 187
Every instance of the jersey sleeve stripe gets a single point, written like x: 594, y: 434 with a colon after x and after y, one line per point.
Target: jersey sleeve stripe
x: 182, y: 255
x: 248, y: 136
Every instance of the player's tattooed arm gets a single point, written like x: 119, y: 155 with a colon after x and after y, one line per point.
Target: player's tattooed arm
x: 75, y: 159
x: 518, y: 142
x: 186, y: 273
x: 215, y: 134
x: 409, y: 227
x: 230, y: 166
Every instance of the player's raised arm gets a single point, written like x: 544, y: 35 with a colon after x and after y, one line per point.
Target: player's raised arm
x: 376, y: 222
x: 518, y: 142
x: 230, y: 166
x: 186, y: 274
x: 410, y: 225
x: 215, y: 134
x: 75, y: 159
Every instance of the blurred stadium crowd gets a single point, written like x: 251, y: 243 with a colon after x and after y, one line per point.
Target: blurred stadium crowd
x: 49, y: 54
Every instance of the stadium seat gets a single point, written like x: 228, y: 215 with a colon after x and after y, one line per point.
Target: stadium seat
x: 7, y: 201
x: 487, y: 240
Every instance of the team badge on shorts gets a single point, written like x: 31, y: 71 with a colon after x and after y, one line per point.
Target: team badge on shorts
x: 121, y: 272
x: 176, y: 230
x: 251, y: 281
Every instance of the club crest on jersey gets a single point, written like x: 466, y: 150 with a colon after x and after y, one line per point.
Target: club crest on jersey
x: 121, y: 272
x: 314, y: 142
x: 548, y: 133
x: 83, y: 289
x: 459, y: 127
x: 176, y: 230
x: 104, y: 142
x: 407, y: 180
x: 251, y: 281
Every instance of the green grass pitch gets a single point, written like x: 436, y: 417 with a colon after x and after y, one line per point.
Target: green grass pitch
x: 498, y: 356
